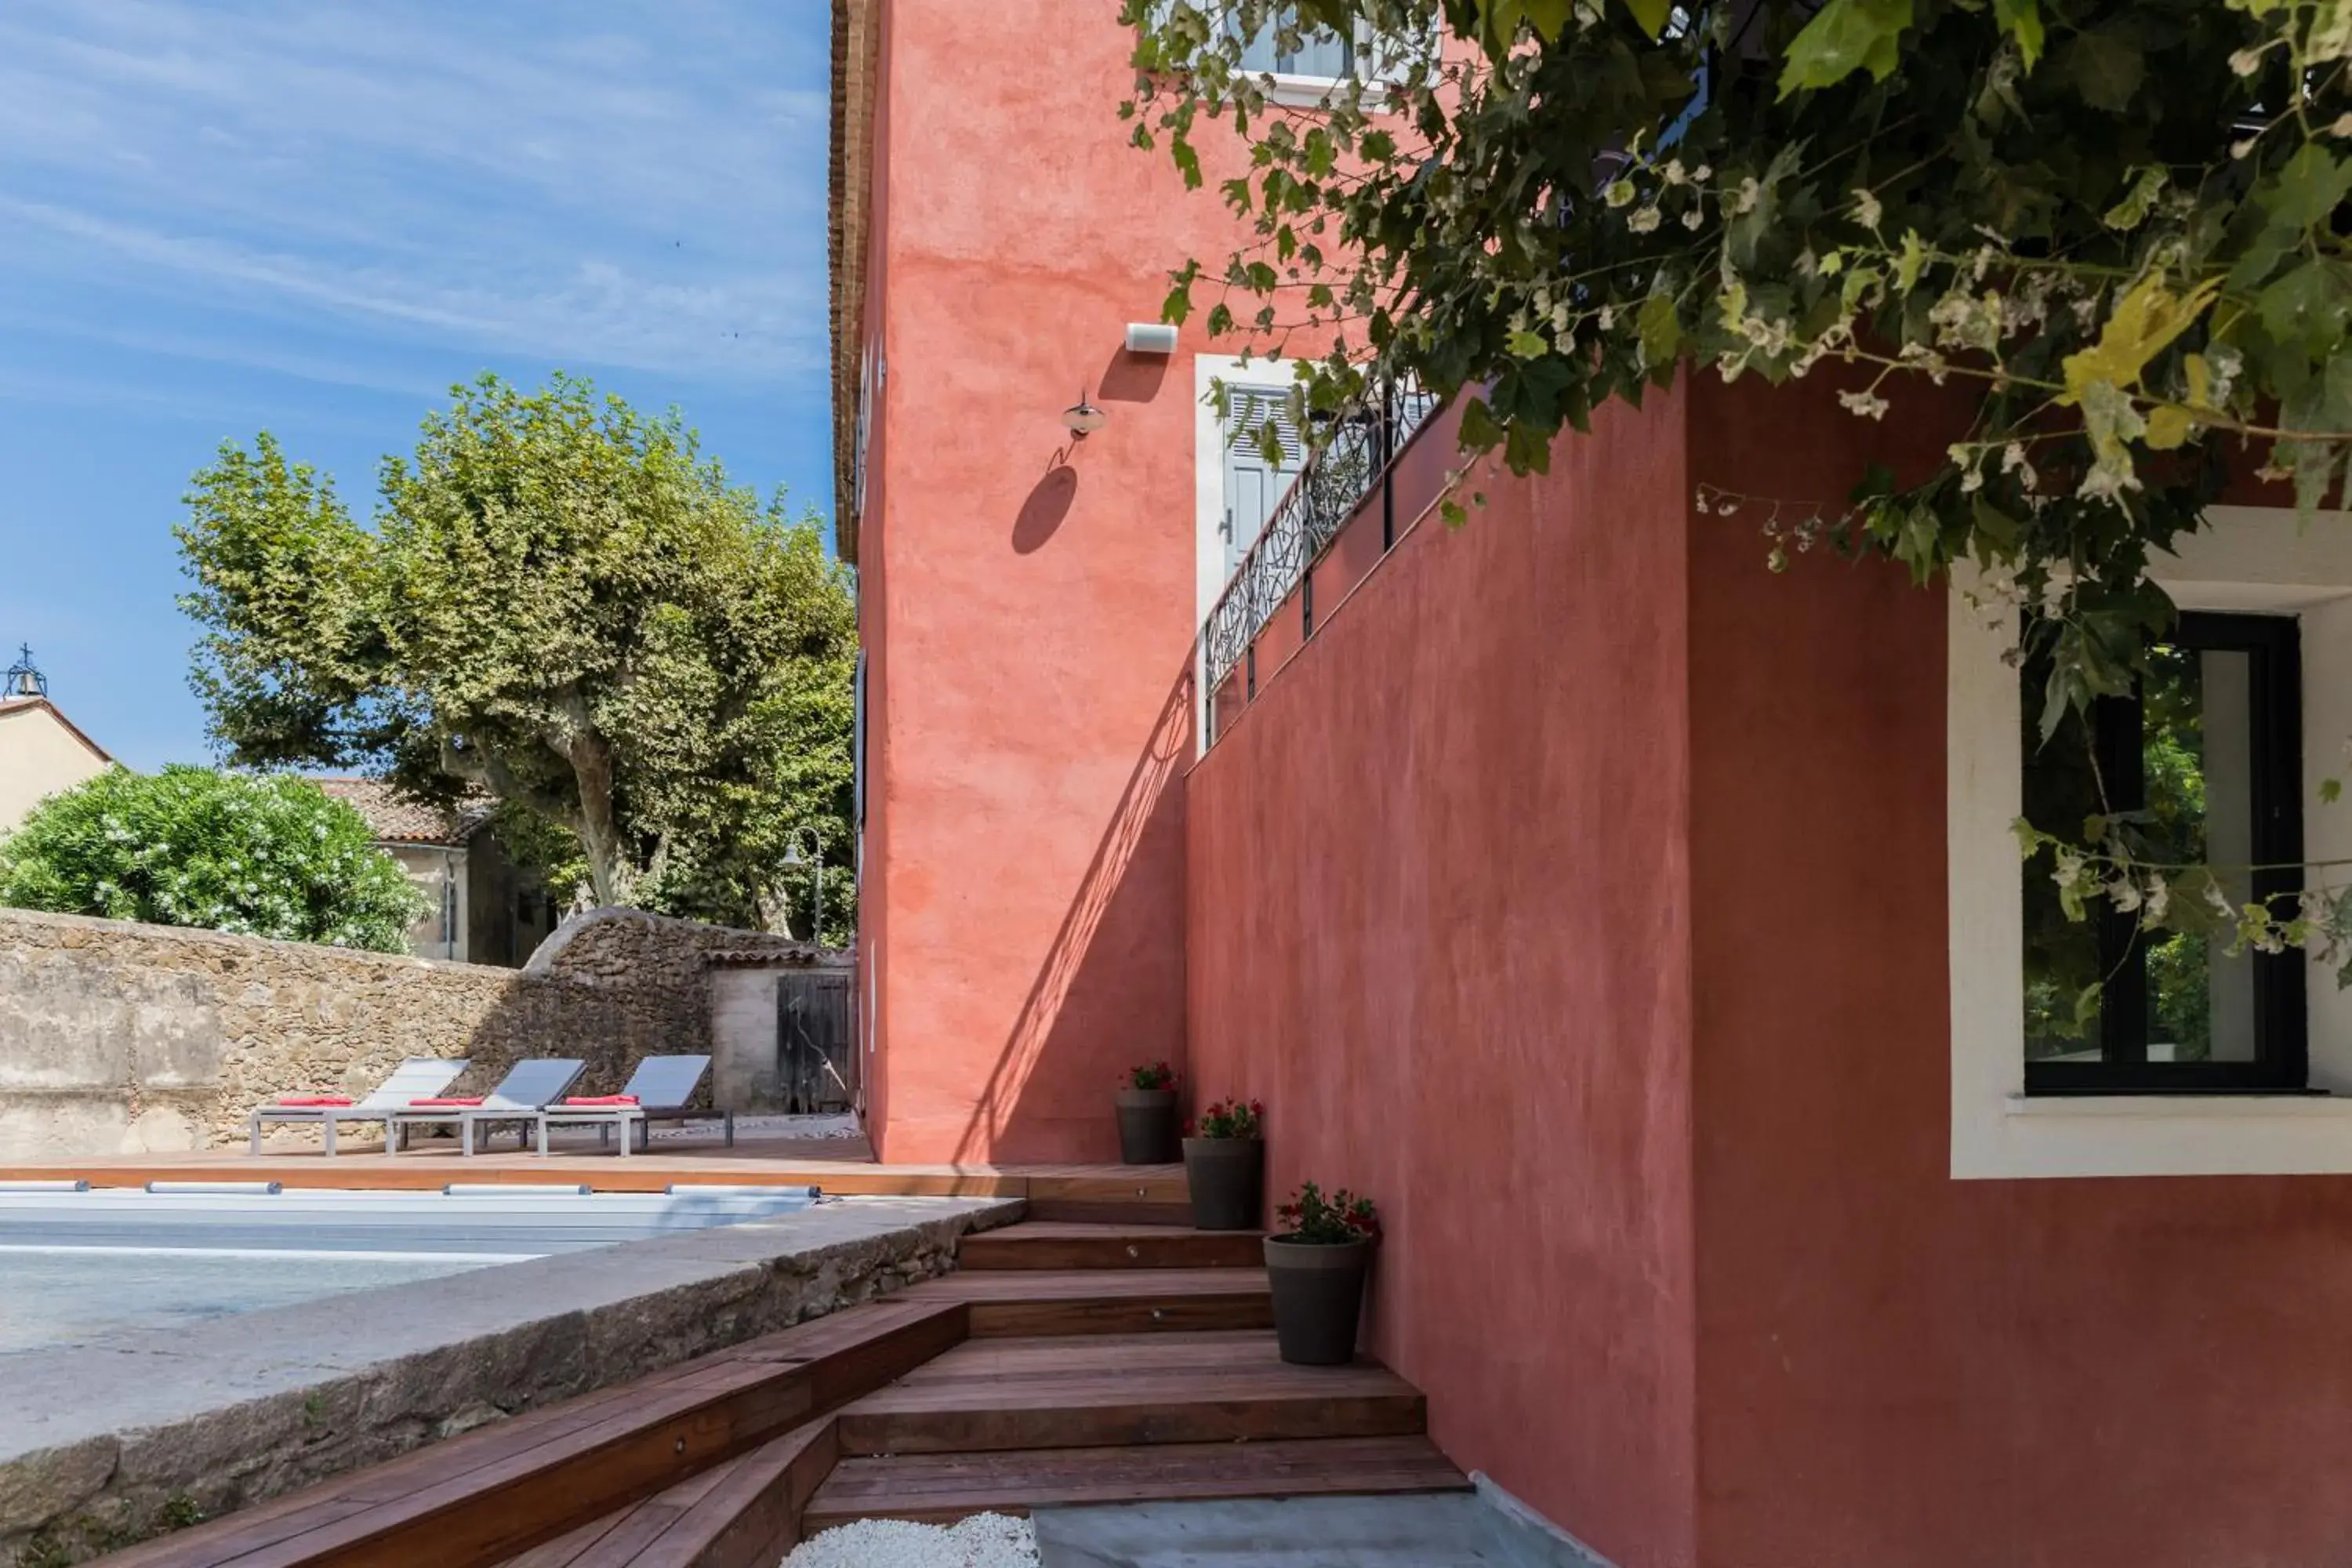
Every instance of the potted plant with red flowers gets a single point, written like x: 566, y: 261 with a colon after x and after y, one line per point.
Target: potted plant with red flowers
x: 1148, y: 1123
x: 1317, y: 1266
x: 1224, y: 1166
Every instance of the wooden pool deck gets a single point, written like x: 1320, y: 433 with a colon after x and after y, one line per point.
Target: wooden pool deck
x: 1060, y: 1364
x: 842, y: 1167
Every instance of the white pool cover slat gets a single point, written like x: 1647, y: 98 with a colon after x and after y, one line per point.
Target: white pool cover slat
x: 525, y: 1224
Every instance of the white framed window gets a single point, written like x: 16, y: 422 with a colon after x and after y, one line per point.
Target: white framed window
x: 1235, y: 487
x: 1322, y: 55
x: 1307, y: 77
x: 2250, y: 563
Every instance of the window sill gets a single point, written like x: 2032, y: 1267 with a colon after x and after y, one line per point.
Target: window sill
x: 2179, y: 1105
x: 1317, y: 91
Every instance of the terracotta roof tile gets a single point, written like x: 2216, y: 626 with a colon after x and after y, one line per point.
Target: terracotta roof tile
x: 395, y: 820
x: 856, y: 64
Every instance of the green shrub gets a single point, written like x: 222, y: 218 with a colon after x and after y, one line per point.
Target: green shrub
x: 254, y: 855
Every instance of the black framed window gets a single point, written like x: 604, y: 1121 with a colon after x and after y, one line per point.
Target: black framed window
x: 2205, y: 761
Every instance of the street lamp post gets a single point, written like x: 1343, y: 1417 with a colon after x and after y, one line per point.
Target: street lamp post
x: 814, y: 861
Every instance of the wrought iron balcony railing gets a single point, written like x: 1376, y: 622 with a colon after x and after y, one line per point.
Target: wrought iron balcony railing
x: 1355, y: 459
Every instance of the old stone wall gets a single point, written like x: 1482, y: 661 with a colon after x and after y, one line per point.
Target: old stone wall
x: 117, y: 1038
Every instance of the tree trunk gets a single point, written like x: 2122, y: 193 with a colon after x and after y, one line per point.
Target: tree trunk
x: 599, y: 829
x: 610, y: 873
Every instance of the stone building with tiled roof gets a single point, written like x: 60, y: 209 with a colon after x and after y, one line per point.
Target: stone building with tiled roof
x: 482, y: 908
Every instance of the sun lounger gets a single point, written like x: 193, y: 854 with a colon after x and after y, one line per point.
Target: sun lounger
x: 418, y: 1078
x: 659, y: 1090
x: 525, y: 1091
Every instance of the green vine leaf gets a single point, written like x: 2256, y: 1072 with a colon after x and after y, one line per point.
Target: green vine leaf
x: 2021, y: 20
x: 2133, y: 210
x: 2106, y: 66
x: 1651, y: 15
x: 1846, y: 37
x: 1661, y: 330
x: 1480, y: 431
x: 1549, y: 17
x: 2305, y: 192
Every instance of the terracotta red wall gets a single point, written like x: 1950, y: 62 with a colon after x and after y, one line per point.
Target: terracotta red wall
x: 1895, y: 1367
x: 1579, y: 892
x: 1438, y: 923
x: 1030, y: 606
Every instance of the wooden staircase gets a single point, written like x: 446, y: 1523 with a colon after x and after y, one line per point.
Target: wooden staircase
x: 1113, y: 1363
x: 1063, y: 1362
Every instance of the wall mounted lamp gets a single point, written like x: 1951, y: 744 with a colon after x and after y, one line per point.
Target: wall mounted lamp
x: 1083, y: 418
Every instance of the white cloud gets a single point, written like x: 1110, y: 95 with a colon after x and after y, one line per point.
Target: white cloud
x: 636, y: 184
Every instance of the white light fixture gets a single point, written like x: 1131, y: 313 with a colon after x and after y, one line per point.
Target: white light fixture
x: 1151, y: 338
x: 1083, y: 418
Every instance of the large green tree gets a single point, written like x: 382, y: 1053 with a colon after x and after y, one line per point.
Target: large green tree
x: 259, y: 856
x: 563, y: 605
x: 2112, y: 235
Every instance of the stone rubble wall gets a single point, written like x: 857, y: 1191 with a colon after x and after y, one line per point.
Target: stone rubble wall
x: 117, y: 1038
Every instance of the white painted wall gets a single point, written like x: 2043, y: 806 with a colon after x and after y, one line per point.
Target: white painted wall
x: 439, y: 874
x: 39, y: 755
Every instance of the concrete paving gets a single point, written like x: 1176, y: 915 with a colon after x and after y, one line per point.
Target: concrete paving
x: 1442, y: 1529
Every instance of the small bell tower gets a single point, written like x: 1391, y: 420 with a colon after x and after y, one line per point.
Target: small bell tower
x: 24, y: 678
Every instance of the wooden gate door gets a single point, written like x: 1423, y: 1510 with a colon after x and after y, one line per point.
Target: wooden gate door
x: 816, y: 1048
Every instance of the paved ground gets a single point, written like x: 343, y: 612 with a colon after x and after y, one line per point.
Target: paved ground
x: 1445, y: 1530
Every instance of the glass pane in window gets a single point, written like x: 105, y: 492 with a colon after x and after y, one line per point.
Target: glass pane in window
x: 2191, y: 804
x: 2199, y: 775
x: 2062, y: 971
x: 1321, y: 53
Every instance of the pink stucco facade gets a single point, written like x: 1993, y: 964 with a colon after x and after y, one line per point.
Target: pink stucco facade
x: 1028, y: 602
x: 1577, y: 890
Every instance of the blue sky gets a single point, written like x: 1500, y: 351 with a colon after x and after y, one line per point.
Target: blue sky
x: 311, y: 216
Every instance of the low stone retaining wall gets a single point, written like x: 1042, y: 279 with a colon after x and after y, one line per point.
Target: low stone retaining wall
x: 117, y: 1038
x: 108, y: 1444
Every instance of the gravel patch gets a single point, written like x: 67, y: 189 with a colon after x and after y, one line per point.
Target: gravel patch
x: 983, y: 1541
x: 825, y: 1127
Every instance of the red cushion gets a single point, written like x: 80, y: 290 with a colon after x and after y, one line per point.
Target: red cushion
x: 602, y: 1099
x: 306, y: 1100
x: 439, y: 1104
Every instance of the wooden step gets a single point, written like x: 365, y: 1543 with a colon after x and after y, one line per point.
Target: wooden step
x: 1112, y: 1195
x: 1092, y: 1211
x: 741, y: 1514
x: 941, y: 1487
x: 484, y: 1498
x: 1104, y: 1390
x: 1044, y: 1244
x: 1035, y: 1301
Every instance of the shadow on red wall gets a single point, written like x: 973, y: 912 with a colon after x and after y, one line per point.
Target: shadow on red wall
x: 1111, y: 922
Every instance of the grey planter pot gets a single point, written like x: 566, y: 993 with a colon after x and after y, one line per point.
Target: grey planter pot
x: 1147, y: 1127
x: 1227, y: 1179
x: 1319, y: 1299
